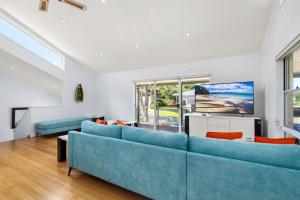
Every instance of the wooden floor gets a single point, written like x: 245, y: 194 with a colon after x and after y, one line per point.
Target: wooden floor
x: 29, y: 170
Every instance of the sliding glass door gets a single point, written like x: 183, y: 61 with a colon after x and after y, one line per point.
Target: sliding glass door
x: 162, y: 104
x: 168, y: 105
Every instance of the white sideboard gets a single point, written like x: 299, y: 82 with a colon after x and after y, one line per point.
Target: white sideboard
x: 199, y: 125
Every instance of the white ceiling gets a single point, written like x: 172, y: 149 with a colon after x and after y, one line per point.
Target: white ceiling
x: 218, y: 28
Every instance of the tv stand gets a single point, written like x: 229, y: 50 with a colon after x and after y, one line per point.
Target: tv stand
x: 198, y: 125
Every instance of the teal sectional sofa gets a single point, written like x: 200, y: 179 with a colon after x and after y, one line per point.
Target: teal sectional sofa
x: 169, y: 166
x: 60, y: 125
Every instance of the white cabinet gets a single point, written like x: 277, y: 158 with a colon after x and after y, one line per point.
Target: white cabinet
x: 200, y: 125
x: 247, y: 126
x: 215, y: 124
x: 215, y: 121
x: 217, y: 129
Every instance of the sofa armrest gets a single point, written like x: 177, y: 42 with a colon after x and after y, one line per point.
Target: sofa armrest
x: 71, y: 148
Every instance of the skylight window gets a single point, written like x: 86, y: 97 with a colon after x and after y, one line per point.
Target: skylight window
x: 26, y: 41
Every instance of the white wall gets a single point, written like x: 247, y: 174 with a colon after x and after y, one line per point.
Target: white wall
x: 115, y: 91
x: 23, y: 83
x: 284, y: 29
x: 74, y: 74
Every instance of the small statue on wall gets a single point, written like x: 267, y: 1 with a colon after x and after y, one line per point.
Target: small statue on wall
x: 79, y: 96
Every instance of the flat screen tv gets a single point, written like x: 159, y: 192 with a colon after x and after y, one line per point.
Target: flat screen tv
x: 233, y: 98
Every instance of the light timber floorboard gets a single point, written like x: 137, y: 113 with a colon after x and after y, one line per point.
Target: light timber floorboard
x: 29, y: 170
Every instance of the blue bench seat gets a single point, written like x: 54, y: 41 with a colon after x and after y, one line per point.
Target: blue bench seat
x: 60, y: 125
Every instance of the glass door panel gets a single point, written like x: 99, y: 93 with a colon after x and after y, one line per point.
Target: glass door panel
x: 188, y: 96
x: 168, y: 105
x: 145, y: 105
x: 292, y: 91
x: 292, y: 110
x: 161, y: 105
x: 293, y: 71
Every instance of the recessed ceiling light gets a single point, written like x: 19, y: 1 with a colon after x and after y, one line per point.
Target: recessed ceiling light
x: 137, y: 46
x: 101, y: 54
x: 103, y: 1
x: 12, y: 68
x: 63, y: 20
x: 188, y: 34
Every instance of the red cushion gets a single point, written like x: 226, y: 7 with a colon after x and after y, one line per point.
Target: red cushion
x: 102, y: 122
x: 275, y: 140
x: 121, y: 123
x: 225, y: 135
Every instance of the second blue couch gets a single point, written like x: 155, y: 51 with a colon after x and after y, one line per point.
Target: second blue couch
x: 60, y: 125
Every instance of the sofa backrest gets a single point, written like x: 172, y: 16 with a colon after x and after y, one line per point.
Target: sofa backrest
x: 158, y: 138
x: 101, y: 130
x: 277, y: 155
x: 153, y: 171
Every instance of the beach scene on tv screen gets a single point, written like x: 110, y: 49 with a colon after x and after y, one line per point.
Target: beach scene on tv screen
x: 225, y: 98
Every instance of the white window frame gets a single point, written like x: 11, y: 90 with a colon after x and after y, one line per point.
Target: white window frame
x: 288, y: 50
x: 286, y: 129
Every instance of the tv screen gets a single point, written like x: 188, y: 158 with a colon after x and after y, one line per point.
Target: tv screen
x: 235, y: 98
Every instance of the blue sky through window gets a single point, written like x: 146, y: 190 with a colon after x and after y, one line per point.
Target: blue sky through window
x: 29, y: 43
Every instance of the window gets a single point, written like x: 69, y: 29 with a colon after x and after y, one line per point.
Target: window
x: 24, y: 40
x: 161, y: 104
x: 292, y: 91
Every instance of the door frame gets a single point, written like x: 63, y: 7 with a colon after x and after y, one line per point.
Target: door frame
x: 209, y: 78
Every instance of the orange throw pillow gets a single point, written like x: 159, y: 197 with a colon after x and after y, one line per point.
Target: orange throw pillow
x: 102, y: 122
x: 275, y: 140
x: 225, y: 135
x: 121, y: 123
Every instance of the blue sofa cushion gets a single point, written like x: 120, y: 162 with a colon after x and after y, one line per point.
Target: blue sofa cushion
x: 158, y: 138
x: 101, y: 130
x: 53, y: 124
x: 277, y: 155
x: 218, y: 178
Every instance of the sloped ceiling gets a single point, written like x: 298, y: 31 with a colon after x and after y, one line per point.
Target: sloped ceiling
x: 104, y: 37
